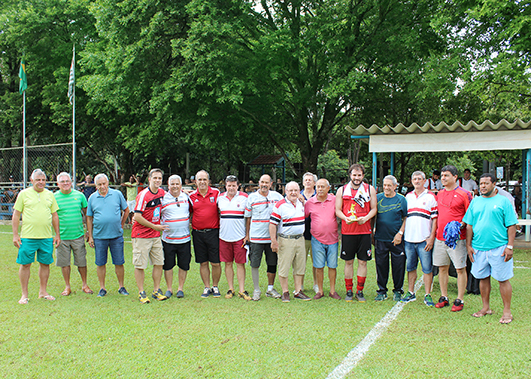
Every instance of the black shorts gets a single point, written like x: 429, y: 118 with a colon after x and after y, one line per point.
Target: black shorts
x: 255, y: 254
x: 353, y: 246
x: 206, y: 245
x: 180, y: 250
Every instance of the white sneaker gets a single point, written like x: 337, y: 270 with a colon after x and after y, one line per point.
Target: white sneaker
x: 256, y: 295
x: 273, y: 293
x: 315, y: 288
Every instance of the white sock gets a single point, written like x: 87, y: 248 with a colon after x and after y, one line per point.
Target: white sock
x: 270, y: 287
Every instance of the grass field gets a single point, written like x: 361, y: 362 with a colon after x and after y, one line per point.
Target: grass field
x: 82, y: 336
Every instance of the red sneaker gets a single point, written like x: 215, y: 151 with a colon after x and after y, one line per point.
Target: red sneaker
x: 458, y: 305
x: 443, y: 302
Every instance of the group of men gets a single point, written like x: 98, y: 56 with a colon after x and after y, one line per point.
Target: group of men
x: 229, y: 227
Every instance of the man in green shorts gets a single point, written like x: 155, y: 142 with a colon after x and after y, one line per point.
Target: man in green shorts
x: 39, y: 208
x: 72, y: 208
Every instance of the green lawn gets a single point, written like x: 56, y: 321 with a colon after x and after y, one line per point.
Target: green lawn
x: 84, y: 336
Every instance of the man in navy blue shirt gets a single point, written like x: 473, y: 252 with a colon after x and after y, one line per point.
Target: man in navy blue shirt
x: 389, y: 230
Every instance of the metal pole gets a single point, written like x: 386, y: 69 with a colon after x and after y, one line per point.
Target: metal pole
x: 527, y: 192
x: 374, y: 166
x: 74, y: 176
x: 24, y: 153
x: 393, y: 163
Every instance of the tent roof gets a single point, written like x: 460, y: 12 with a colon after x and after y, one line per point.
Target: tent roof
x: 444, y: 137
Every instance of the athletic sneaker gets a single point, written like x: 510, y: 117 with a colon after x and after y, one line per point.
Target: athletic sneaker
x: 206, y: 292
x: 123, y: 291
x: 244, y: 295
x: 102, y: 292
x: 428, y: 300
x: 285, y: 297
x: 349, y: 297
x: 409, y: 297
x: 360, y: 297
x: 458, y: 305
x: 143, y: 297
x: 443, y: 302
x: 273, y: 293
x: 380, y: 297
x: 397, y: 296
x: 256, y: 295
x: 215, y: 292
x: 301, y: 296
x: 230, y: 294
x: 158, y: 295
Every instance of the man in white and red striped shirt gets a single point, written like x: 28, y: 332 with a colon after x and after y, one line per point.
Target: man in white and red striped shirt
x: 257, y: 214
x: 419, y: 236
x: 288, y: 217
x: 176, y: 207
x: 231, y: 206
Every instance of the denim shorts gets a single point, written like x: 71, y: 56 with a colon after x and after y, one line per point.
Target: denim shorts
x: 324, y: 254
x: 492, y: 262
x: 115, y: 245
x: 414, y: 252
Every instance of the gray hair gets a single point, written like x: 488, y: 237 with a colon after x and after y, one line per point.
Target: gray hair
x: 64, y: 174
x: 314, y: 177
x: 99, y: 176
x: 419, y: 173
x: 37, y: 172
x: 392, y: 179
x: 208, y: 175
x: 173, y: 177
x: 292, y: 182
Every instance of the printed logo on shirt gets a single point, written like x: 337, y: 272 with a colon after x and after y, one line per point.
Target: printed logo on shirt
x: 211, y: 199
x: 156, y: 215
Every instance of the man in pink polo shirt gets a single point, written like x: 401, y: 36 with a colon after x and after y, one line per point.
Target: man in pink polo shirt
x: 322, y: 211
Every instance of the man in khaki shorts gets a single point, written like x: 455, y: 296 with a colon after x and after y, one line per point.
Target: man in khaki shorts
x: 452, y: 202
x: 147, y: 244
x: 72, y: 208
x: 288, y: 217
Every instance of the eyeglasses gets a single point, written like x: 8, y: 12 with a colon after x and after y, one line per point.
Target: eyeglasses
x: 177, y: 201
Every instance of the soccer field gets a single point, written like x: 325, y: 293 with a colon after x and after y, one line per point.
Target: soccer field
x: 84, y: 336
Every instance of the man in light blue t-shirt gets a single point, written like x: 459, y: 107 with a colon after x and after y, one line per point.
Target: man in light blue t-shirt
x: 107, y: 212
x: 491, y: 228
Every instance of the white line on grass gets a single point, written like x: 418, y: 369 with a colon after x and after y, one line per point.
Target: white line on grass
x: 356, y: 354
x: 527, y: 268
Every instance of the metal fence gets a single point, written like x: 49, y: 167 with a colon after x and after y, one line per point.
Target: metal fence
x: 52, y: 159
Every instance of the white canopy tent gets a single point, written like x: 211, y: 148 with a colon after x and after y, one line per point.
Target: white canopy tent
x: 503, y: 135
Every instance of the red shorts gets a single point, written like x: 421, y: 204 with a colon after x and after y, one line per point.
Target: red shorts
x: 232, y: 251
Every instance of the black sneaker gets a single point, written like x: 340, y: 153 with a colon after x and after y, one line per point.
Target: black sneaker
x: 360, y: 297
x: 215, y: 292
x: 349, y: 297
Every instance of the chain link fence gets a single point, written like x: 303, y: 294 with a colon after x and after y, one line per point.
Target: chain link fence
x: 52, y: 159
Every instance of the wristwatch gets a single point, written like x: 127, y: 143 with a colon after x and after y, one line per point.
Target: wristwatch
x: 509, y: 247
x: 401, y: 232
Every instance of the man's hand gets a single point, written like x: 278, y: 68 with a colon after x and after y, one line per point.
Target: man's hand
x: 160, y: 228
x: 508, y: 253
x: 91, y: 241
x: 274, y: 246
x: 246, y: 240
x: 398, y: 239
x: 56, y: 240
x: 16, y: 241
x: 362, y: 220
x: 471, y: 253
x: 429, y: 243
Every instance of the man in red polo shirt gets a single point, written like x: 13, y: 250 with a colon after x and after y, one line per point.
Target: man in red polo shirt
x: 205, y: 232
x: 145, y: 235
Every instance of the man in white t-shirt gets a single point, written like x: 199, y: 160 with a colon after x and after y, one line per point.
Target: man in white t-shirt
x: 468, y: 183
x: 175, y: 212
x: 231, y: 205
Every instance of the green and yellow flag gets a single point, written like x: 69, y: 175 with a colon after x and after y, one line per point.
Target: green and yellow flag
x: 22, y: 75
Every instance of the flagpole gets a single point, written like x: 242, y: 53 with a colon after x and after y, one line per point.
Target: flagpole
x: 25, y: 158
x: 74, y: 177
